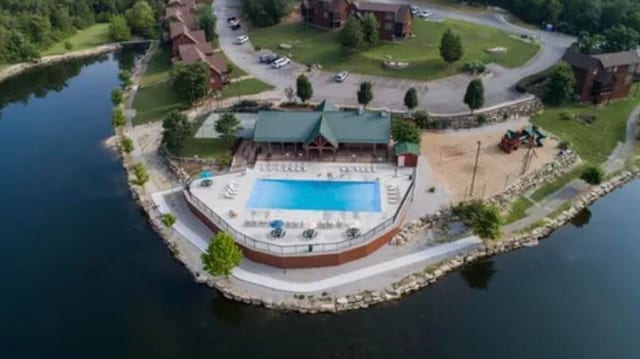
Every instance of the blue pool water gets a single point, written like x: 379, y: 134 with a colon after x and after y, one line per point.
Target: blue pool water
x: 352, y: 196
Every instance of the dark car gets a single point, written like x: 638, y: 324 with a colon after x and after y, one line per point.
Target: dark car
x: 235, y: 27
x: 268, y: 58
x: 232, y: 19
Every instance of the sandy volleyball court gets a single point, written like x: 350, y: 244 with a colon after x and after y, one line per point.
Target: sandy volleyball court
x: 452, y: 155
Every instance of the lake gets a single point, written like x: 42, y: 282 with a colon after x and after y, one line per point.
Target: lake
x: 83, y: 275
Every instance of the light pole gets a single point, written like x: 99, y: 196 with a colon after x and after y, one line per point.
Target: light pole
x: 475, y: 169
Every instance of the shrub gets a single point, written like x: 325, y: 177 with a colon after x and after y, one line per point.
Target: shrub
x: 168, y: 220
x: 223, y: 160
x: 567, y: 115
x: 482, y: 120
x: 564, y: 145
x: 140, y: 173
x: 116, y: 96
x: 592, y: 175
x: 127, y: 145
x: 421, y: 118
x: 483, y: 219
x: 68, y: 45
x: 432, y: 189
x: 474, y: 67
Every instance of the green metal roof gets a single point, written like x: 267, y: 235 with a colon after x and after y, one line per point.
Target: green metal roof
x: 406, y: 147
x: 323, y: 129
x: 335, y: 126
x: 326, y: 105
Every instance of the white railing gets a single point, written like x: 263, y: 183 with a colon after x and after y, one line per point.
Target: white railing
x: 302, y: 249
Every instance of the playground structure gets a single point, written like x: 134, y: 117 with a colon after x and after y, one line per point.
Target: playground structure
x: 513, y: 139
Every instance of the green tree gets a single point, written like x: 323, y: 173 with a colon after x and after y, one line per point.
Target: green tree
x: 352, y: 36
x: 304, y: 90
x: 370, y: 30
x: 141, y: 19
x: 176, y: 130
x: 474, y: 97
x: 68, y: 45
x: 620, y: 38
x: 168, y: 220
x: 118, y: 29
x: 264, y: 13
x: 117, y: 117
x: 411, y: 99
x: 191, y: 81
x: 222, y: 255
x: 140, y: 174
x: 451, y: 49
x: 127, y: 145
x: 591, y: 44
x: 116, y: 96
x: 125, y: 78
x: 559, y: 87
x: 592, y: 175
x: 207, y: 22
x: 228, y: 125
x: 365, y: 94
x: 405, y: 131
x: 484, y: 220
x: 421, y: 118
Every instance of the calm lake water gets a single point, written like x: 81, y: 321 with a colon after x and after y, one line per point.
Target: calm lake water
x: 83, y: 275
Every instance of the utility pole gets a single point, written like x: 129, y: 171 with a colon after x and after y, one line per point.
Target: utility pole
x: 475, y: 169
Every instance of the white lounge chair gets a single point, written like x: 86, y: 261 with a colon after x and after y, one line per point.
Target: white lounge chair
x: 229, y: 196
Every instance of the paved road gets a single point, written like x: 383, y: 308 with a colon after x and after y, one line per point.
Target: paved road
x: 439, y: 96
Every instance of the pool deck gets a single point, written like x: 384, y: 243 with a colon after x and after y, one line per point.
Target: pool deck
x: 331, y: 225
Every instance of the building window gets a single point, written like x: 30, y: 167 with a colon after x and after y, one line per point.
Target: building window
x: 388, y: 16
x: 388, y: 26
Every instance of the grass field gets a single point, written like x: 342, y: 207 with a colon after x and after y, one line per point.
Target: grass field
x: 205, y: 147
x: 92, y: 36
x: 518, y: 210
x: 244, y: 87
x: 593, y: 142
x: 311, y: 46
x: 153, y: 102
x: 159, y: 67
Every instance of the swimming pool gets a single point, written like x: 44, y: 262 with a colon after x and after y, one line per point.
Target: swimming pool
x: 351, y: 196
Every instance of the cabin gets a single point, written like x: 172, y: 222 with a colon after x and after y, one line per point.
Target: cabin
x: 324, y: 134
x: 192, y: 53
x: 179, y: 34
x: 603, y: 77
x: 394, y: 20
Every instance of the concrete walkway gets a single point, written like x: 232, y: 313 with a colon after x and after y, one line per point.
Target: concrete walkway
x: 431, y: 254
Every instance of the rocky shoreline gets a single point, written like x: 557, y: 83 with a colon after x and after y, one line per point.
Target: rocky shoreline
x: 20, y: 68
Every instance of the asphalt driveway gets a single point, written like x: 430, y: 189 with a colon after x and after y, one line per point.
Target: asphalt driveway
x: 442, y: 96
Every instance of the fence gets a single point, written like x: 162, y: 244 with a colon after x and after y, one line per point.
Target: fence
x: 304, y: 249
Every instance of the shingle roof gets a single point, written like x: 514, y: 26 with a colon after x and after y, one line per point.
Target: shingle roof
x: 377, y: 6
x: 191, y: 53
x: 337, y: 126
x: 618, y: 58
x: 406, y: 147
x: 579, y: 60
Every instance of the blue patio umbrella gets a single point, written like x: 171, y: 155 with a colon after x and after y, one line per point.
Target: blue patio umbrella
x: 205, y: 174
x: 277, y: 223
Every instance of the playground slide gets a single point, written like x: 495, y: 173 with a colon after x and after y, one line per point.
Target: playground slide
x: 539, y: 136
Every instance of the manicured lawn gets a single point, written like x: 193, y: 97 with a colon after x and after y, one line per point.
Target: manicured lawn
x: 159, y: 67
x: 153, y: 102
x: 558, y: 183
x: 518, y: 210
x: 593, y: 142
x: 92, y: 36
x: 244, y: 87
x: 205, y: 147
x: 311, y: 46
x: 236, y: 72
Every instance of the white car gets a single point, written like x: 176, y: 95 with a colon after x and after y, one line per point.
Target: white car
x: 233, y: 23
x: 425, y: 14
x: 341, y: 76
x: 242, y: 39
x: 283, y: 61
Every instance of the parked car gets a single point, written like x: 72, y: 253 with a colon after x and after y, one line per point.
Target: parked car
x: 281, y: 62
x: 233, y: 23
x: 235, y: 27
x: 425, y: 13
x: 341, y: 76
x: 242, y: 39
x: 232, y: 18
x: 414, y: 9
x: 268, y: 58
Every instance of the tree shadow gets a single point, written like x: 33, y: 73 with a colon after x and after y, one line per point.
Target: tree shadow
x: 478, y: 274
x: 582, y: 218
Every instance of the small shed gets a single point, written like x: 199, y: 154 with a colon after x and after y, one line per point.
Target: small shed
x: 406, y: 154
